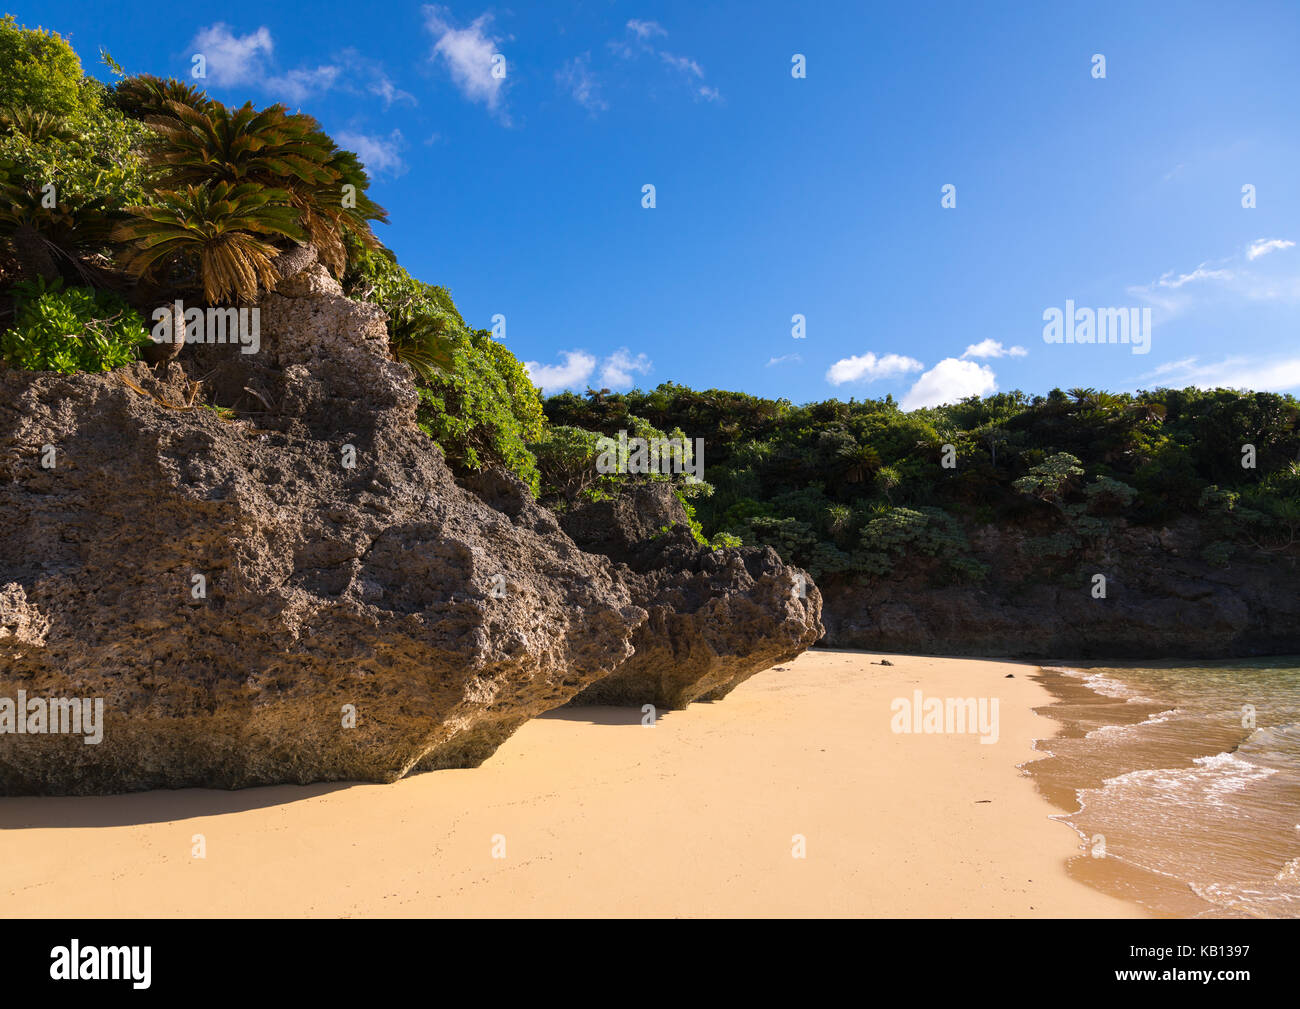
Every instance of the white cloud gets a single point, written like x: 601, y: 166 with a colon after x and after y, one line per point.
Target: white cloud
x: 638, y: 41
x: 578, y: 366
x: 617, y: 369
x: 246, y: 59
x: 380, y: 155
x: 1171, y: 366
x: 389, y: 91
x: 949, y: 381
x: 645, y: 29
x: 375, y: 80
x: 578, y: 80
x: 576, y: 370
x: 1235, y: 277
x: 233, y: 59
x: 693, y: 73
x: 297, y: 86
x: 791, y: 358
x: 1263, y: 246
x: 1198, y: 275
x: 468, y: 54
x: 682, y: 64
x: 1173, y: 293
x: 1278, y: 375
x: 993, y: 348
x: 870, y: 368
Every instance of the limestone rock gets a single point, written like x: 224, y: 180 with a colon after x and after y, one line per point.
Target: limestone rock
x: 22, y: 625
x: 717, y: 617
x: 383, y: 587
x: 306, y: 593
x: 1162, y: 600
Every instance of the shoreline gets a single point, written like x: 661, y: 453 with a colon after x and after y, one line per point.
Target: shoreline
x: 1144, y: 765
x: 1111, y: 874
x: 598, y: 815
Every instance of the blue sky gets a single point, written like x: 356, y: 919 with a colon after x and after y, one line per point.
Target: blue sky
x: 821, y: 197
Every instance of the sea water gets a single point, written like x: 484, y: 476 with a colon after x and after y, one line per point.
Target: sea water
x: 1183, y: 782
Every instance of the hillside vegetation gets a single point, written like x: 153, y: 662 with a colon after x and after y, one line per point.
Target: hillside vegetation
x: 855, y: 488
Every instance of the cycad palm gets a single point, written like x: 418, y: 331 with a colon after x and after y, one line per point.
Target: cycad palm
x: 42, y: 235
x: 35, y: 125
x: 887, y: 480
x: 228, y: 230
x: 422, y: 341
x: 145, y: 95
x: 336, y: 213
x: 272, y: 148
x: 217, y: 144
x: 340, y: 210
x: 859, y: 461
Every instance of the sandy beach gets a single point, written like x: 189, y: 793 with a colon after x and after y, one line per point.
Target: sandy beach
x: 598, y: 815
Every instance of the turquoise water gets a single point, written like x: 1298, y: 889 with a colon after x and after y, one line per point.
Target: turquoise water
x: 1189, y: 776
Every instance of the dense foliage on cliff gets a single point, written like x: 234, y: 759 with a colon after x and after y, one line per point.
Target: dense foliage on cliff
x: 117, y: 199
x: 852, y: 488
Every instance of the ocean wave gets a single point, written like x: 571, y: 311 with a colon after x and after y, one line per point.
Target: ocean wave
x: 1099, y: 683
x: 1262, y: 899
x: 1130, y: 728
x: 1276, y: 746
x: 1210, y: 780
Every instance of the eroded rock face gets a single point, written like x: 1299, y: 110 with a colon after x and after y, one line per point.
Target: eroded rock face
x: 1162, y: 599
x: 236, y: 593
x: 22, y: 625
x: 717, y: 617
x: 230, y: 588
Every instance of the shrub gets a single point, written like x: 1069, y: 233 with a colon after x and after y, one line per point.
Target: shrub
x: 828, y: 559
x: 697, y: 532
x: 38, y: 70
x: 792, y: 539
x: 566, y: 458
x: 484, y: 409
x: 1107, y: 494
x: 71, y: 329
x: 929, y: 531
x: 1051, y: 478
x: 1058, y: 544
x: 59, y: 127
x: 476, y: 399
x: 1218, y: 501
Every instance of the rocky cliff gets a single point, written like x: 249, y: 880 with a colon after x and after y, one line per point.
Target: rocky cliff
x: 1162, y: 600
x: 715, y: 617
x: 301, y: 591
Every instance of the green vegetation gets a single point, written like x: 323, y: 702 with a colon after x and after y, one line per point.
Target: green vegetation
x: 476, y: 400
x: 149, y: 190
x: 41, y: 71
x: 860, y: 489
x: 226, y: 230
x: 63, y: 141
x: 71, y: 329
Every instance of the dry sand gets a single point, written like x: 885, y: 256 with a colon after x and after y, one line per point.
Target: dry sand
x: 600, y: 815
